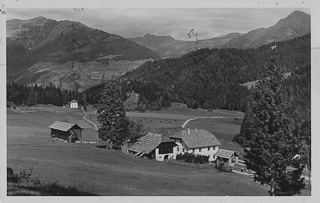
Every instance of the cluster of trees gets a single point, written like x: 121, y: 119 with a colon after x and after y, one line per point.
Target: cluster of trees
x: 273, y: 137
x: 19, y: 94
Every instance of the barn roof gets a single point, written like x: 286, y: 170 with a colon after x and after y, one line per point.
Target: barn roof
x: 225, y: 153
x: 63, y: 126
x: 197, y: 138
x: 149, y: 142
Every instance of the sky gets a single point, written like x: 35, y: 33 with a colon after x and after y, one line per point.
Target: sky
x: 176, y: 22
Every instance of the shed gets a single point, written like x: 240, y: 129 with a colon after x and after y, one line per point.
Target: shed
x: 227, y: 158
x: 74, y: 104
x: 66, y: 131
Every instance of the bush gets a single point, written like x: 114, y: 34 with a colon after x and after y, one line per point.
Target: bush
x: 10, y: 104
x: 26, y: 180
x: 135, y: 130
x: 142, y: 108
x: 192, y: 158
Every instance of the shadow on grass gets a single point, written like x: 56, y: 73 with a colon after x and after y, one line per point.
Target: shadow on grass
x: 102, y: 146
x: 53, y: 189
x: 25, y: 184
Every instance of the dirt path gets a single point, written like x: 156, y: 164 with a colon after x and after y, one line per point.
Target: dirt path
x: 205, y: 117
x: 89, y: 121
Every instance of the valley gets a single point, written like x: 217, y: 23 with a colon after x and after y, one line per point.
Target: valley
x: 178, y: 116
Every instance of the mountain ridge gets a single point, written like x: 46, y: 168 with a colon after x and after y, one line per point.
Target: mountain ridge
x: 294, y: 25
x: 55, y: 44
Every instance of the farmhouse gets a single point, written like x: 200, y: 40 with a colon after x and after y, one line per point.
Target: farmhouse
x: 66, y: 131
x: 73, y: 104
x: 227, y: 158
x: 154, y: 146
x: 197, y: 141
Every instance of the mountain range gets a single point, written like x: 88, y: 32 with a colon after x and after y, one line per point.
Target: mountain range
x: 74, y: 56
x: 68, y: 54
x: 294, y: 25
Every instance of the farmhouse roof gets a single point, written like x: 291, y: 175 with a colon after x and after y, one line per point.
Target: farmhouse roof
x: 149, y: 142
x: 73, y: 101
x: 225, y: 153
x: 197, y: 138
x: 63, y: 126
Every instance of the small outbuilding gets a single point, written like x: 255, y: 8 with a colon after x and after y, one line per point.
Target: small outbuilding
x: 226, y: 159
x: 67, y: 131
x: 154, y: 146
x: 73, y: 104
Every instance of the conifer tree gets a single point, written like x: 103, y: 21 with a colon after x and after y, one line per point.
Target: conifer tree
x: 111, y: 116
x: 271, y: 145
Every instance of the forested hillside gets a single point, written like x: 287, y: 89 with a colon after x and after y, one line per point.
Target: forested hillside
x: 299, y: 92
x: 207, y: 78
x: 211, y: 78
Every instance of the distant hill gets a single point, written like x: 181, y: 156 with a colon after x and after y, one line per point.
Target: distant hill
x: 152, y: 41
x: 295, y: 25
x: 68, y: 54
x: 168, y: 47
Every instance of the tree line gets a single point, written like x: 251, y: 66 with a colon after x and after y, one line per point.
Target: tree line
x: 21, y: 94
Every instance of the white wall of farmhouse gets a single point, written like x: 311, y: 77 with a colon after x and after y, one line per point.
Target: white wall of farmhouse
x: 162, y: 157
x: 205, y: 151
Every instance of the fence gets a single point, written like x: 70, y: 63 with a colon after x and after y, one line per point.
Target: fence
x: 192, y: 165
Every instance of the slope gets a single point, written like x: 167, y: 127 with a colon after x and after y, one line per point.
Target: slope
x: 40, y: 46
x: 212, y: 78
x: 294, y: 25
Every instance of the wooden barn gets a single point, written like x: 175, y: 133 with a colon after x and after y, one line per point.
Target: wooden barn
x: 67, y: 131
x: 154, y: 146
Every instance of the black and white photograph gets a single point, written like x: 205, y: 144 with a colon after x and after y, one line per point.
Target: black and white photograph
x: 158, y: 101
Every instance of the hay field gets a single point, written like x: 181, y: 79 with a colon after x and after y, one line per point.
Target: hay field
x: 107, y: 172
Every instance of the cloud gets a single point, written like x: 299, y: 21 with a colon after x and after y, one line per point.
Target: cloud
x: 207, y: 22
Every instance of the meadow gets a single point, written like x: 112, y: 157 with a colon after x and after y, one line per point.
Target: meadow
x: 107, y: 172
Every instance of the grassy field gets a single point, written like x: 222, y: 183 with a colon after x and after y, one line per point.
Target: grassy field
x: 107, y: 172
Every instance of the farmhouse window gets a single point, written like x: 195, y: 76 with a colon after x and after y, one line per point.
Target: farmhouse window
x: 165, y: 148
x: 199, y: 149
x: 193, y: 150
x: 208, y: 148
x: 177, y: 148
